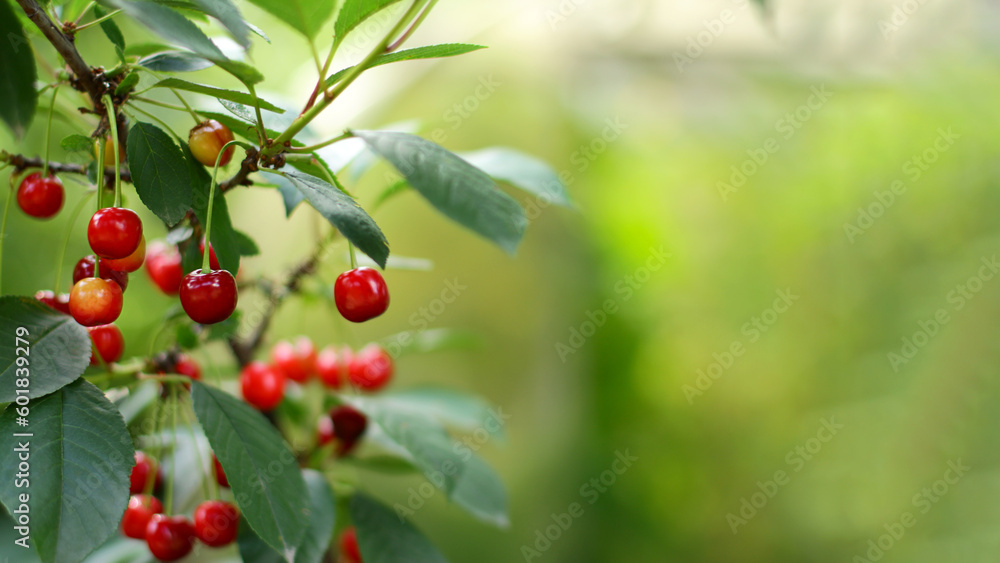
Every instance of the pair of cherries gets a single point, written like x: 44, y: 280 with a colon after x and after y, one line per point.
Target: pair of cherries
x: 207, y: 297
x: 263, y: 384
x: 170, y: 538
x: 343, y: 423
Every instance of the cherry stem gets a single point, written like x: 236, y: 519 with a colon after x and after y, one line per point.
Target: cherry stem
x: 150, y: 484
x: 205, y: 264
x: 113, y: 123
x: 169, y: 493
x: 260, y: 116
x: 314, y: 148
x: 354, y: 257
x: 48, y: 133
x: 3, y: 223
x: 413, y: 27
x: 194, y: 115
x: 97, y: 21
x: 62, y: 253
x: 187, y: 412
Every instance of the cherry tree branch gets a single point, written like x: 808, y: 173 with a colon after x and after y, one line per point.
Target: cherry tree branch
x: 88, y: 79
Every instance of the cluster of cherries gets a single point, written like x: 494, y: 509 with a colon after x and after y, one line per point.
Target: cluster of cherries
x: 263, y: 384
x: 170, y: 538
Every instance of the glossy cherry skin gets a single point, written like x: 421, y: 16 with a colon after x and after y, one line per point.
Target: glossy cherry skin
x: 85, y: 269
x: 59, y: 303
x: 206, y: 141
x: 187, y: 366
x: 331, y: 366
x: 262, y: 385
x: 361, y: 294
x: 296, y: 362
x: 163, y: 265
x: 108, y: 342
x: 349, y: 545
x: 349, y: 425
x: 114, y: 232
x: 145, y: 469
x: 94, y: 301
x: 209, y: 298
x: 371, y: 368
x: 169, y: 537
x: 130, y: 263
x: 141, y: 509
x: 220, y: 474
x: 216, y: 523
x: 40, y: 197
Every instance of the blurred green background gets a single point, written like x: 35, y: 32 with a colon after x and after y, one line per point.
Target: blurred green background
x: 724, y: 392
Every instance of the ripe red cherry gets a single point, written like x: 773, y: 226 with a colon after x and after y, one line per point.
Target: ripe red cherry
x: 332, y: 366
x: 361, y: 294
x: 208, y: 298
x: 349, y: 425
x: 40, y: 197
x: 94, y: 301
x: 114, y: 232
x: 371, y: 368
x: 59, y: 303
x: 213, y: 260
x: 262, y: 385
x: 163, y: 264
x: 349, y: 545
x: 145, y: 469
x: 324, y: 430
x: 108, y: 342
x: 220, y: 475
x: 130, y: 263
x: 187, y: 366
x: 206, y: 141
x: 216, y: 523
x: 85, y: 269
x: 169, y: 537
x: 141, y: 509
x: 296, y: 362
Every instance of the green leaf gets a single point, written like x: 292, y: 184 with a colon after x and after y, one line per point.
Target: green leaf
x: 174, y: 61
x: 127, y: 83
x: 81, y: 457
x: 17, y: 65
x: 229, y: 16
x: 239, y: 110
x: 222, y: 94
x: 290, y: 195
x: 521, y: 171
x: 354, y: 12
x: 175, y: 28
x: 110, y: 28
x: 247, y: 246
x: 322, y: 518
x: 422, y: 438
x: 384, y: 537
x: 452, y: 408
x: 305, y: 16
x: 263, y: 473
x: 481, y: 493
x: 238, y: 126
x: 224, y: 241
x: 55, y: 350
x: 77, y: 143
x: 159, y: 172
x: 146, y: 49
x: 457, y: 189
x: 344, y: 214
x: 428, y: 52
